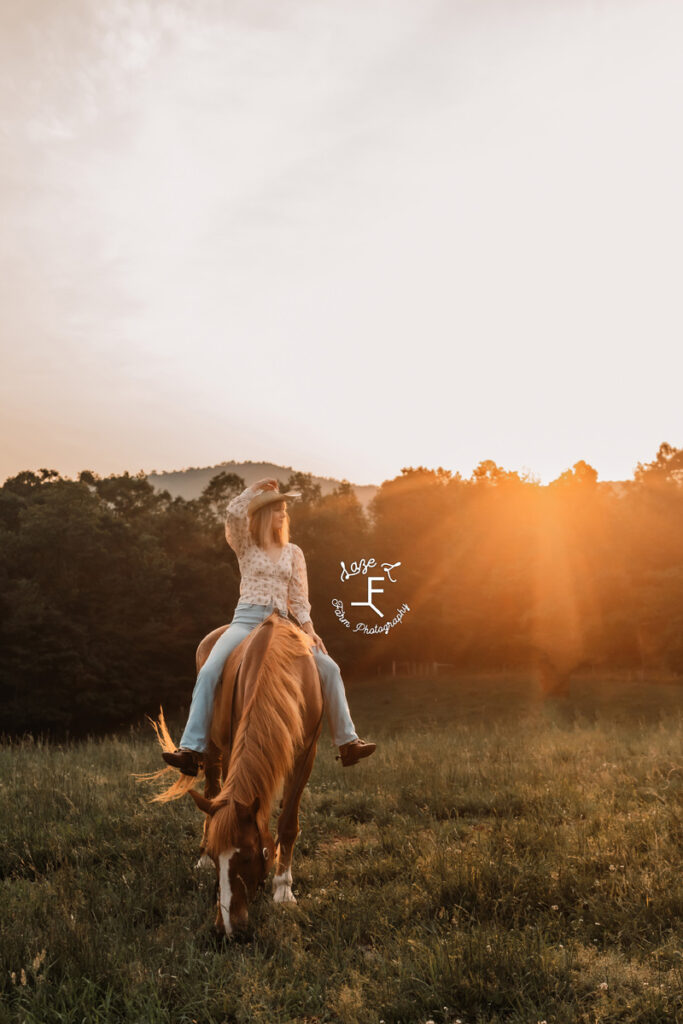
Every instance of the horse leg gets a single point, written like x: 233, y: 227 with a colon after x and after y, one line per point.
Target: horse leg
x: 288, y: 826
x: 212, y: 785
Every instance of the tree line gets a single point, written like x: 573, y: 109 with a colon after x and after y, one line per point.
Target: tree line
x: 107, y: 585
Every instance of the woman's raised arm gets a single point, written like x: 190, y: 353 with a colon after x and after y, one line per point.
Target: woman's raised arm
x: 236, y: 519
x: 236, y: 522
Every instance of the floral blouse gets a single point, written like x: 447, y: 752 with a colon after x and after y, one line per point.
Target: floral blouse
x: 262, y: 581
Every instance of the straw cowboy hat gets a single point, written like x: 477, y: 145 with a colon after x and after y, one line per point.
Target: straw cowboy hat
x: 268, y: 497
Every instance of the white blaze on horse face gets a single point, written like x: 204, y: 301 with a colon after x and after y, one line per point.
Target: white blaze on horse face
x: 224, y: 892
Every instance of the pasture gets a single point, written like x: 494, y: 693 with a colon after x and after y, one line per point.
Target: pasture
x: 499, y: 858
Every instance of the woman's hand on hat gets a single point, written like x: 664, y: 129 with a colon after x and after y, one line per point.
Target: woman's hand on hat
x: 267, y: 484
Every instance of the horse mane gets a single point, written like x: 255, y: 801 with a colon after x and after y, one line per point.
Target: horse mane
x: 269, y: 731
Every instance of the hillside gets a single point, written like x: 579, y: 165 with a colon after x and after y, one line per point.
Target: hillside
x: 189, y: 483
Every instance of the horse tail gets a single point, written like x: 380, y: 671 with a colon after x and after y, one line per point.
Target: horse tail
x: 184, y: 783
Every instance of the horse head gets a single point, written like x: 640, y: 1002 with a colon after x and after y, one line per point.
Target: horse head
x: 243, y: 852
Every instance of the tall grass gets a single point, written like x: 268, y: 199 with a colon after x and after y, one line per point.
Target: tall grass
x: 515, y: 867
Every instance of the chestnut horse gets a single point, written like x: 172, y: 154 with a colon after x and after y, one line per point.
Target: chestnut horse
x: 266, y: 722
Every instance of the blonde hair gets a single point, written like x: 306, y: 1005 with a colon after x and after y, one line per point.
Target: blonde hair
x: 262, y: 528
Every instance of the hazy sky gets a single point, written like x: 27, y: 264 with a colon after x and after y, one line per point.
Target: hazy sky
x: 343, y: 235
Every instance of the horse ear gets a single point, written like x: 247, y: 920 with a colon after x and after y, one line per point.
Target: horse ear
x: 202, y: 803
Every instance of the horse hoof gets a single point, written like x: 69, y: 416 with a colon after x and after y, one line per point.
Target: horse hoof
x: 282, y: 888
x: 203, y: 862
x: 283, y: 894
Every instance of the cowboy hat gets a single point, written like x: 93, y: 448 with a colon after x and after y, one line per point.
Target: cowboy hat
x: 268, y: 497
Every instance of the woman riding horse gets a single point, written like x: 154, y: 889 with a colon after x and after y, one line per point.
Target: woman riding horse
x: 272, y: 576
x: 265, y: 728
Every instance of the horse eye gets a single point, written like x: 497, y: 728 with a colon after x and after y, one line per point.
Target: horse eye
x: 265, y: 853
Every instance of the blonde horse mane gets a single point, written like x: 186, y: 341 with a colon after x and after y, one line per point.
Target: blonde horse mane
x: 269, y: 731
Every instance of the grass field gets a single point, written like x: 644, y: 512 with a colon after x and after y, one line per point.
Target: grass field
x: 503, y: 859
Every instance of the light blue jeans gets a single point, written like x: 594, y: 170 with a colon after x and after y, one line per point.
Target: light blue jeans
x: 247, y: 617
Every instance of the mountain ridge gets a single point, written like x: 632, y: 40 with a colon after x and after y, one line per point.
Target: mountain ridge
x: 190, y: 482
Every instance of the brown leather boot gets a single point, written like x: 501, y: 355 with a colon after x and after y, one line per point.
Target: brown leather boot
x: 351, y: 753
x: 186, y: 761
